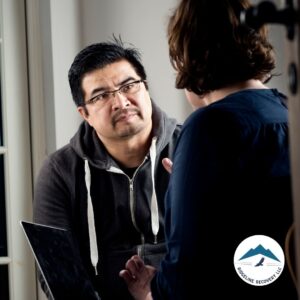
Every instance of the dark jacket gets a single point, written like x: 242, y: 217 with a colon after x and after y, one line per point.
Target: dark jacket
x: 83, y: 173
x: 230, y: 181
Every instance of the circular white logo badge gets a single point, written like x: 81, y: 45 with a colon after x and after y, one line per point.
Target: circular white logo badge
x: 259, y: 260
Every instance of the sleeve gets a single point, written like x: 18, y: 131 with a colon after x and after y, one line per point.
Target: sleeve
x: 51, y: 205
x: 54, y: 205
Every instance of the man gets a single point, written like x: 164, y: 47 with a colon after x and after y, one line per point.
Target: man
x: 107, y: 186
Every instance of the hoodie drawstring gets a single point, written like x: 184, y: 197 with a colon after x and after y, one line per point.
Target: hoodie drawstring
x: 91, y: 219
x: 90, y: 211
x: 154, y: 206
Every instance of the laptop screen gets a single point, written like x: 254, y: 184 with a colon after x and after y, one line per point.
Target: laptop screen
x: 61, y: 268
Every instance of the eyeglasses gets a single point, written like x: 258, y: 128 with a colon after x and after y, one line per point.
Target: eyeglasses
x: 126, y: 89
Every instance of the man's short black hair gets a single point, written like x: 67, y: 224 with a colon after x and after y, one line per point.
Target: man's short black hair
x: 97, y: 56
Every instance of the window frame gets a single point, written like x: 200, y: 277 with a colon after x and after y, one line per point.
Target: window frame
x: 16, y: 148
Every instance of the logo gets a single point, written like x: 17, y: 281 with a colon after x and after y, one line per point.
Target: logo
x: 259, y: 260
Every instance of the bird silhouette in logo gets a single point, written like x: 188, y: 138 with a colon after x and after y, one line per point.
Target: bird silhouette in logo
x: 260, y: 263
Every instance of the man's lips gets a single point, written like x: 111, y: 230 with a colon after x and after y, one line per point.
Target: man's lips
x: 124, y: 115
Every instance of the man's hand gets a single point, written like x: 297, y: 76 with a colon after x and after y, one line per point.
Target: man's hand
x: 138, y: 277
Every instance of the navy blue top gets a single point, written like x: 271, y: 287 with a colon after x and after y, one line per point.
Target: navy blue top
x: 230, y: 181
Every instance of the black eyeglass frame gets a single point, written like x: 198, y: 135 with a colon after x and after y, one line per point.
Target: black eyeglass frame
x: 93, y: 99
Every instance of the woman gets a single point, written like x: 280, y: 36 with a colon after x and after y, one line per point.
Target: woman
x: 231, y: 174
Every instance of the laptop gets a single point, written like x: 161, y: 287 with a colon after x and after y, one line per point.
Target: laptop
x: 62, y: 271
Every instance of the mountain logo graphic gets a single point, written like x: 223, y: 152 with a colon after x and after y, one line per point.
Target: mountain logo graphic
x: 259, y: 250
x: 259, y: 260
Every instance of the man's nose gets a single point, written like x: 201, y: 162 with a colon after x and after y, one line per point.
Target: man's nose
x: 119, y: 100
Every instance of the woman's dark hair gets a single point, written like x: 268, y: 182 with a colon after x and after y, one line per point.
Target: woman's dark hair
x: 210, y: 48
x: 97, y: 56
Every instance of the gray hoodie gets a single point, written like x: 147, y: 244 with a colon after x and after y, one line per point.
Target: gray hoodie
x: 111, y: 216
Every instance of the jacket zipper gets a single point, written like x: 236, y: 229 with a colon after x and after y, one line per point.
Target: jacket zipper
x: 131, y: 200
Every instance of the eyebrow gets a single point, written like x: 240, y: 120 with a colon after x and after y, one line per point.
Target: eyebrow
x: 103, y: 89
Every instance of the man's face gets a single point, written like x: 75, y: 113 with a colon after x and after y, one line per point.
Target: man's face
x: 118, y: 115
